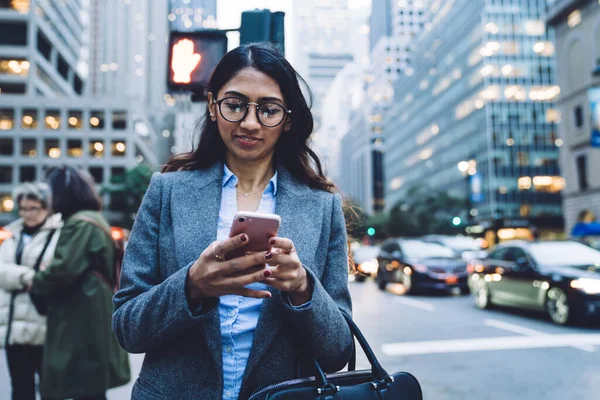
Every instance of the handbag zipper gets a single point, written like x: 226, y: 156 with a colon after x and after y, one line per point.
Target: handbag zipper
x: 291, y: 382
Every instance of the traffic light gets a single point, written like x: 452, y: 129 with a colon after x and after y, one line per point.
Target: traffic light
x: 192, y: 58
x: 263, y: 26
x: 371, y: 231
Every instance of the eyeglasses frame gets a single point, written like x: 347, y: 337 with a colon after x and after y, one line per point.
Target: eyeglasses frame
x: 256, y: 105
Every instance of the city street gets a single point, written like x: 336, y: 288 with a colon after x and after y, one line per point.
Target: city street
x: 443, y: 341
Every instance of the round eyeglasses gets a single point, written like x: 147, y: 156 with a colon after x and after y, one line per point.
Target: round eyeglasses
x: 268, y: 114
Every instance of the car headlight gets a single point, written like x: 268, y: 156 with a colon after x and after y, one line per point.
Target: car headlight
x: 587, y: 285
x: 368, y: 267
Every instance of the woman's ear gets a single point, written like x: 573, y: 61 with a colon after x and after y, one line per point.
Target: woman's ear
x: 212, y: 107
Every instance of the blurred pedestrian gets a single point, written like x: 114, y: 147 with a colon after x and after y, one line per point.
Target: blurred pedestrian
x: 213, y: 328
x: 32, y: 243
x: 81, y: 358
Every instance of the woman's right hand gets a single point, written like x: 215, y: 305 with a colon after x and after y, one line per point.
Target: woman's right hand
x: 211, y: 276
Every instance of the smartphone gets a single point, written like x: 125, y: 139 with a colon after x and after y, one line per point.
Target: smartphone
x: 259, y: 227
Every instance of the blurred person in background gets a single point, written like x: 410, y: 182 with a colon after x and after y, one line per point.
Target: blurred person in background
x: 81, y: 357
x: 22, y: 328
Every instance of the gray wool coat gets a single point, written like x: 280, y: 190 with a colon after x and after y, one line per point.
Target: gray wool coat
x: 176, y: 222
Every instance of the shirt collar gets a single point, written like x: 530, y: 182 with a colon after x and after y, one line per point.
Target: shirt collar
x: 230, y: 180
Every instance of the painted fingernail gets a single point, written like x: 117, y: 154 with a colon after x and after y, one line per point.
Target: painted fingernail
x: 267, y: 274
x: 272, y: 242
x: 268, y: 255
x: 267, y: 296
x: 244, y: 238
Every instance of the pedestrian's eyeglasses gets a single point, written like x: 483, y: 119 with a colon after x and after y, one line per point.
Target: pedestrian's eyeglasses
x: 268, y: 114
x: 30, y: 210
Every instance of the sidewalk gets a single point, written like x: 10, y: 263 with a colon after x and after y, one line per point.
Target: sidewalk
x: 122, y: 393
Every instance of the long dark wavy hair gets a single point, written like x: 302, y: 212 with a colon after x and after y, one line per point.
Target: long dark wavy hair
x: 292, y: 149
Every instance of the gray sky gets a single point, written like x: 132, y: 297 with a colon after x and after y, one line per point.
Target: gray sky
x: 229, y: 16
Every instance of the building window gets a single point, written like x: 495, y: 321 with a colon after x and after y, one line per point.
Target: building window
x: 6, y: 203
x: 52, y: 120
x: 13, y: 33
x: 27, y: 174
x: 43, y: 45
x: 98, y: 174
x: 522, y: 158
x: 52, y: 148
x: 97, y: 120
x: 117, y: 174
x: 63, y: 67
x: 97, y: 148
x: 78, y: 85
x: 581, y: 162
x: 118, y: 148
x: 29, y: 148
x: 75, y: 119
x: 6, y: 147
x: 74, y: 148
x: 30, y: 119
x: 9, y: 66
x: 578, y: 117
x: 7, y: 116
x: 6, y: 174
x: 119, y: 120
x: 12, y: 88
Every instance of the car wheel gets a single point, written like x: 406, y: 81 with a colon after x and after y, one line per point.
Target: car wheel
x: 381, y: 283
x: 482, y: 296
x: 557, y: 306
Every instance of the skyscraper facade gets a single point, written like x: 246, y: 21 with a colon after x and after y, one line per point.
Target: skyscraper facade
x: 476, y: 118
x: 577, y: 29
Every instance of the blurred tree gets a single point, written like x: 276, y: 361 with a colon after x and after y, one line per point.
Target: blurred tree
x: 424, y: 211
x: 127, y: 191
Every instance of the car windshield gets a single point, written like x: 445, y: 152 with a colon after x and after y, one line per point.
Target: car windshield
x: 365, y: 253
x: 418, y: 249
x: 564, y: 253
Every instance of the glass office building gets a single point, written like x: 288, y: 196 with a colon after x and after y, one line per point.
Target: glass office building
x: 476, y: 118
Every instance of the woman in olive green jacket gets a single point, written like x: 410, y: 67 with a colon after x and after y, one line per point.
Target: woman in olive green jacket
x: 81, y: 358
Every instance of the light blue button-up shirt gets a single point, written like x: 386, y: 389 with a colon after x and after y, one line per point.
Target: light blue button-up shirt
x: 239, y: 315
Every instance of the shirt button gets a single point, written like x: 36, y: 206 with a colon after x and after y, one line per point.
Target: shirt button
x: 227, y: 393
x: 228, y: 349
x: 232, y: 313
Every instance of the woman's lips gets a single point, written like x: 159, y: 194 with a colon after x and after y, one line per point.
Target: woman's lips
x: 247, y: 141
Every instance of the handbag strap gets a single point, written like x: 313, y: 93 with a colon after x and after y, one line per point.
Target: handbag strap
x: 38, y: 263
x: 379, y: 374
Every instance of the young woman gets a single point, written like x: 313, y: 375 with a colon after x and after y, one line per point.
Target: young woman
x: 81, y: 357
x: 22, y: 329
x: 218, y: 329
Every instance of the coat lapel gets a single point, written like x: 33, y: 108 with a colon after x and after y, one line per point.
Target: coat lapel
x: 196, y: 225
x: 293, y: 209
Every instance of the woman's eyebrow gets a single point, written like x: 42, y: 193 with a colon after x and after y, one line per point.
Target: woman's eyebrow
x: 243, y: 96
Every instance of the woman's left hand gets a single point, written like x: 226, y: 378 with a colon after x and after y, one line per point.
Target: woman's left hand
x: 288, y: 275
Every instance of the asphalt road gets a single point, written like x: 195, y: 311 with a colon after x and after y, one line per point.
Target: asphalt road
x: 458, y: 352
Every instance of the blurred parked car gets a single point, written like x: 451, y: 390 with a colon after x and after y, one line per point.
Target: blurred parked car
x: 420, y: 265
x: 365, y: 261
x: 465, y: 247
x: 561, y: 278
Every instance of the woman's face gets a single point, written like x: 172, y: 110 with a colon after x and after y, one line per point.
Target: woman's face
x: 248, y: 140
x: 32, y: 212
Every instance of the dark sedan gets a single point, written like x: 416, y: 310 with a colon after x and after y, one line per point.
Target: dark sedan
x: 561, y: 278
x: 419, y: 265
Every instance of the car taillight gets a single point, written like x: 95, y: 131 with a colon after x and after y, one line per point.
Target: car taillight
x: 117, y: 233
x: 470, y: 268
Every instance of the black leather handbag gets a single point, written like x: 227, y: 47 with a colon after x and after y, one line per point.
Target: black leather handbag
x: 41, y: 302
x: 374, y: 384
